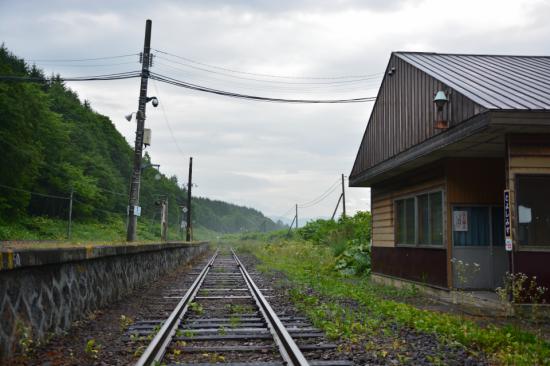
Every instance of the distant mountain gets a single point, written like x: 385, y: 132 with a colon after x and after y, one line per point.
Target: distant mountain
x: 52, y: 143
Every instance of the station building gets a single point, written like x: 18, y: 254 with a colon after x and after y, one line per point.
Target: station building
x: 457, y: 155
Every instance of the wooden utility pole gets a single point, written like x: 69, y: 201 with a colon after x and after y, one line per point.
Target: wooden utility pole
x: 133, y: 203
x: 189, y: 185
x: 343, y: 198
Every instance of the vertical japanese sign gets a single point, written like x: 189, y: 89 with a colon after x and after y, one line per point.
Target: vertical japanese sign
x: 507, y: 221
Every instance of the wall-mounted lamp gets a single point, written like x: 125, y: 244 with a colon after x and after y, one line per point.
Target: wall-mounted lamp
x: 129, y: 116
x: 440, y: 101
x: 154, y: 101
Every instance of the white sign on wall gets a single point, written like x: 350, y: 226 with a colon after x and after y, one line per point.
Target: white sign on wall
x: 460, y: 220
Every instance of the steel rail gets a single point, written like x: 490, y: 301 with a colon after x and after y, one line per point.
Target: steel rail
x: 287, y: 347
x: 156, y: 349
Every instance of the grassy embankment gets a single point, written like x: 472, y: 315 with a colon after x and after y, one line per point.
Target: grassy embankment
x: 111, y: 230
x: 353, y: 308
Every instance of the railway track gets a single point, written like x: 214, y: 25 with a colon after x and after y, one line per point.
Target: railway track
x: 223, y: 317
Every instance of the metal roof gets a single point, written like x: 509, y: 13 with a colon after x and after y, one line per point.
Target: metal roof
x: 494, y: 82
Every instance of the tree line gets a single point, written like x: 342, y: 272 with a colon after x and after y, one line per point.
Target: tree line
x: 52, y: 143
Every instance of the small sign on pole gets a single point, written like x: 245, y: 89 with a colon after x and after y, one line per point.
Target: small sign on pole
x: 507, y: 221
x: 137, y: 210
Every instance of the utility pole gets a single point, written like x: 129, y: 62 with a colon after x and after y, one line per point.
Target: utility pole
x: 343, y: 198
x: 70, y: 214
x: 189, y: 185
x: 296, y: 216
x: 133, y: 202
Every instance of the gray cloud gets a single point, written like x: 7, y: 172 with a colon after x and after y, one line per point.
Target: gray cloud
x: 268, y: 156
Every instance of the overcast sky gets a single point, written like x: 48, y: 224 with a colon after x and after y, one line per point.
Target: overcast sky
x: 263, y: 155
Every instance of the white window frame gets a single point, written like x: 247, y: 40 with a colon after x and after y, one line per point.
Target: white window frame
x: 443, y: 218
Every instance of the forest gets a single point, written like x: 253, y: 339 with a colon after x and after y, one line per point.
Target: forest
x: 52, y: 144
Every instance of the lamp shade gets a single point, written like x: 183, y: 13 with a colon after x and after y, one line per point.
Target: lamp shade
x: 440, y: 99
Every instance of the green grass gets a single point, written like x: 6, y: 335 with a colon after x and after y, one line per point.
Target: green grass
x: 323, y: 295
x: 111, y: 229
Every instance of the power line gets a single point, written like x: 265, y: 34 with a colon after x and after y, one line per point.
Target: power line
x: 87, y: 65
x: 258, y: 88
x: 266, y: 75
x: 286, y: 213
x: 333, y: 82
x: 116, y: 76
x: 196, y: 87
x: 113, y: 192
x: 33, y: 193
x: 83, y: 59
x: 320, y: 198
x: 167, y: 122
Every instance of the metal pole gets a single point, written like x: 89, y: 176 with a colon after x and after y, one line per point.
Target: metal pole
x: 343, y: 198
x: 189, y: 185
x: 296, y: 216
x: 138, y: 149
x: 70, y: 214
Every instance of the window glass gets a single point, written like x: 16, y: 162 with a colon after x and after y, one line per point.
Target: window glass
x: 436, y: 218
x: 405, y: 221
x: 471, y: 226
x: 423, y: 219
x: 410, y: 238
x: 401, y: 229
x: 420, y: 220
x: 533, y: 210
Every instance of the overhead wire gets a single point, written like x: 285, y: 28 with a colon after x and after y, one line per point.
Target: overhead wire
x: 255, y: 86
x: 196, y: 87
x: 167, y: 122
x: 332, y: 82
x: 87, y: 65
x: 320, y: 198
x: 34, y: 193
x: 115, y: 76
x: 83, y: 59
x: 286, y: 213
x: 112, y: 192
x: 265, y: 75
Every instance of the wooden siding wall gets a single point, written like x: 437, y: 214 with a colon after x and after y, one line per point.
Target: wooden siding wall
x: 404, y: 114
x: 475, y: 181
x: 528, y: 154
x: 382, y: 198
x: 425, y: 265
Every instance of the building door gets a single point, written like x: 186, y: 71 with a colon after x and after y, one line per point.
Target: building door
x: 479, y: 258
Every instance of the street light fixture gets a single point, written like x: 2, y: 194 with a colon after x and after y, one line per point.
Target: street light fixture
x: 148, y: 165
x: 154, y: 101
